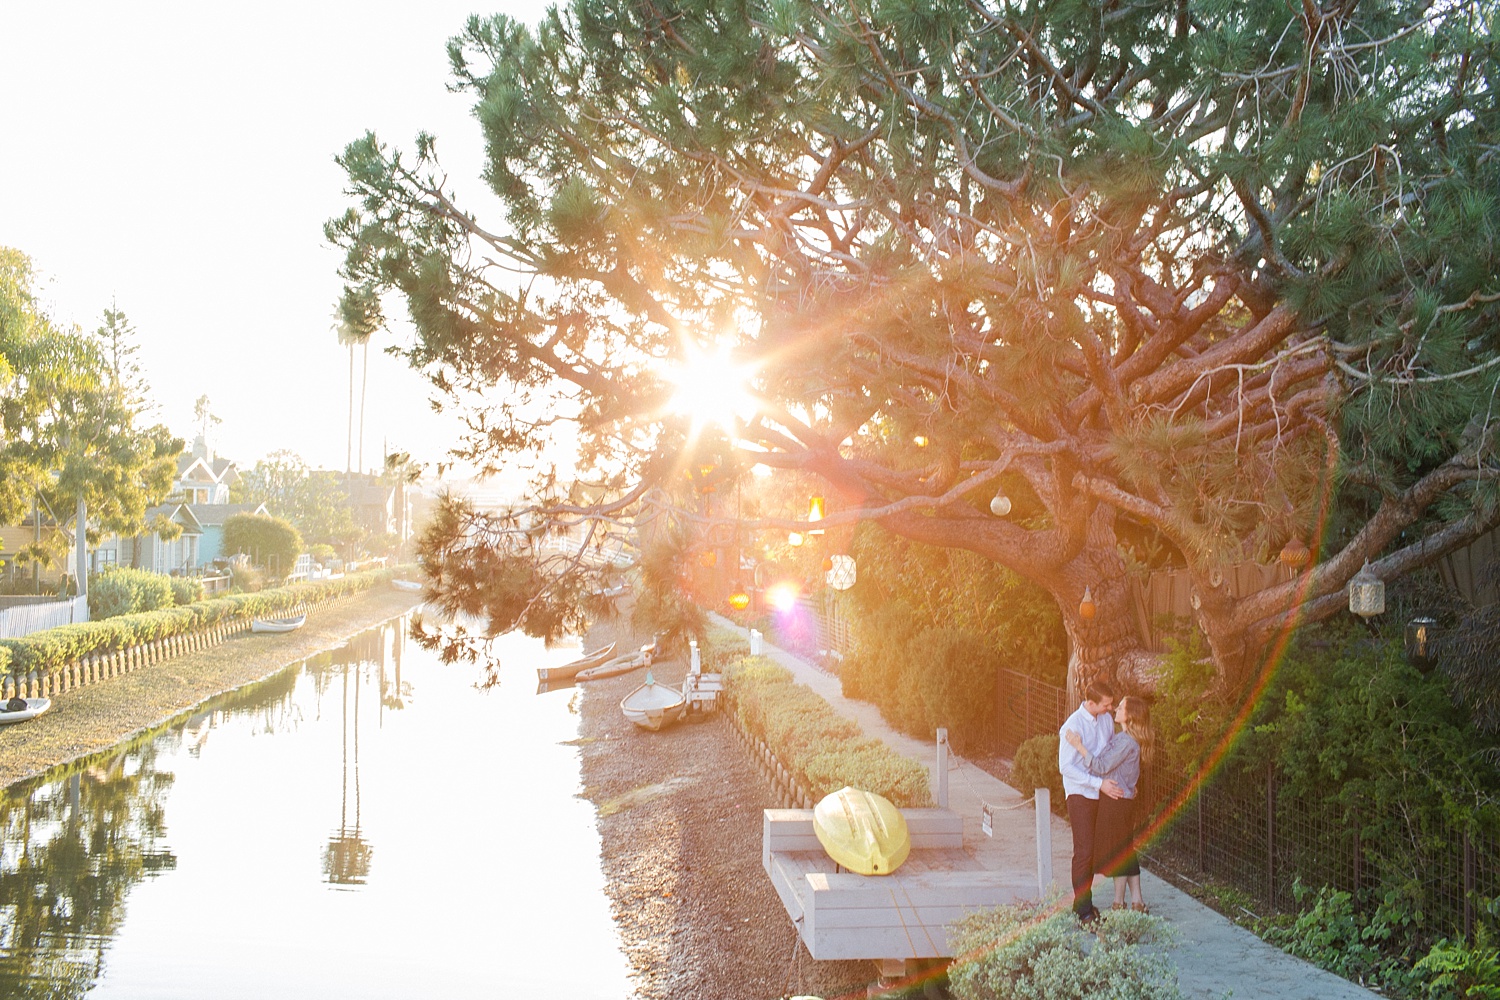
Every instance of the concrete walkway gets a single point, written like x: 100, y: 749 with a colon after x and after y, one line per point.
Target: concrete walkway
x: 1215, y: 958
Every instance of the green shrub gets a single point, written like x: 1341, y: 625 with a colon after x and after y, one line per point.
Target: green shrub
x: 1035, y: 767
x: 823, y: 750
x: 186, y: 590
x: 49, y: 651
x: 1038, y: 952
x: 956, y: 686
x: 125, y: 591
x: 1458, y: 970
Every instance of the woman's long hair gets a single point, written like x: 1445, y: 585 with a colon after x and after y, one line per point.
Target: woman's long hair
x: 1138, y: 724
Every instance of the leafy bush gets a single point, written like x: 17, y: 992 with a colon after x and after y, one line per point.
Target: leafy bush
x: 1458, y: 970
x: 186, y: 590
x: 1038, y: 952
x: 823, y: 750
x: 1035, y: 767
x: 49, y: 651
x: 125, y: 591
x: 270, y: 542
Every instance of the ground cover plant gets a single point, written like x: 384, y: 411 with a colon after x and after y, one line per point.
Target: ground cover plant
x: 1038, y: 952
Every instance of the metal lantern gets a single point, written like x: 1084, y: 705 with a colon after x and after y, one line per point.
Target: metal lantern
x: 1086, y: 607
x: 815, y: 513
x: 1421, y: 643
x: 1366, y: 594
x: 841, y: 576
x: 1000, y: 505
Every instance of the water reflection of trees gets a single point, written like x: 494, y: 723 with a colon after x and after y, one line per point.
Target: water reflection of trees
x: 76, y: 841
x: 73, y: 847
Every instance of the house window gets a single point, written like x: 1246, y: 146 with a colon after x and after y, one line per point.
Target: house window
x: 105, y: 557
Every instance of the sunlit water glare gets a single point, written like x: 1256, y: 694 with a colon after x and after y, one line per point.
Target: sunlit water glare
x: 366, y: 824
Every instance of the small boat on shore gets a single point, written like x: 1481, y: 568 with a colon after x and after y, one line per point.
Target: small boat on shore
x: 274, y: 625
x: 34, y: 707
x: 408, y: 585
x: 862, y: 831
x: 612, y: 668
x: 652, y: 706
x: 572, y: 667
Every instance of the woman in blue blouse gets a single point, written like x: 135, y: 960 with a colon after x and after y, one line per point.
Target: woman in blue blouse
x: 1115, y: 827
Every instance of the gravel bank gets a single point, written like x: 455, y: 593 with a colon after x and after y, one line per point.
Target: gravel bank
x: 98, y: 716
x: 679, y: 815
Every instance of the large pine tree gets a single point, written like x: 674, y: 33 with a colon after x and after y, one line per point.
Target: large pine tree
x: 1196, y: 278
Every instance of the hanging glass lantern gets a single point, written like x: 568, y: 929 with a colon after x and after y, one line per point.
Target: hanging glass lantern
x: 1421, y: 643
x: 841, y: 575
x: 794, y: 539
x: 1366, y: 594
x: 740, y: 599
x: 708, y: 558
x: 1000, y: 505
x: 1295, y: 555
x: 815, y: 513
x: 827, y: 564
x: 1086, y: 609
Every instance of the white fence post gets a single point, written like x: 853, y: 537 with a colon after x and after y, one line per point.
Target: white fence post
x: 1043, y: 841
x: 942, y: 768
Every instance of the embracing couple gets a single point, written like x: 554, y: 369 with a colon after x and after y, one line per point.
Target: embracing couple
x: 1101, y: 770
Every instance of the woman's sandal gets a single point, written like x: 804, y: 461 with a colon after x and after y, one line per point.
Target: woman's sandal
x: 1140, y: 908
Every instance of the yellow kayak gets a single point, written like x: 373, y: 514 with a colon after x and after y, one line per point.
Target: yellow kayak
x: 862, y: 831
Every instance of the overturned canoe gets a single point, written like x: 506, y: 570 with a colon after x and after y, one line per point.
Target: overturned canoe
x: 862, y: 831
x: 277, y: 624
x: 652, y: 706
x: 572, y: 667
x: 409, y: 585
x: 34, y: 707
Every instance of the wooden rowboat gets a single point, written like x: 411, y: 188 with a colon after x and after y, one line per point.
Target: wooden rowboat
x: 277, y: 624
x: 34, y: 707
x: 862, y: 831
x: 410, y: 585
x: 572, y: 667
x: 652, y: 706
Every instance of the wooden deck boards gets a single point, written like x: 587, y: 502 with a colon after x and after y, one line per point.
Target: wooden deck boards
x: 904, y: 915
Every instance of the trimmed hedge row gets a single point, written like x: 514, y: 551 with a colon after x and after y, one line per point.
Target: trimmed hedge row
x: 823, y: 750
x: 50, y: 651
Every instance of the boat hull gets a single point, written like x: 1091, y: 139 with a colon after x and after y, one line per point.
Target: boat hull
x: 34, y: 707
x: 862, y: 831
x: 274, y: 625
x: 572, y: 667
x: 619, y: 665
x: 652, y: 706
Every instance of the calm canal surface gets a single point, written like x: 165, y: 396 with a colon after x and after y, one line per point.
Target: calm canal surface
x: 364, y: 824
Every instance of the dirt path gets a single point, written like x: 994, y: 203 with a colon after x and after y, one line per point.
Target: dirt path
x: 100, y: 715
x: 680, y: 821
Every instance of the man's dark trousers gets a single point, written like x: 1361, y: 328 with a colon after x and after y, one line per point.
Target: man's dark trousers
x: 1081, y: 813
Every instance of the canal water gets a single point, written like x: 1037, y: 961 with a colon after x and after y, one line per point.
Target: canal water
x: 364, y: 824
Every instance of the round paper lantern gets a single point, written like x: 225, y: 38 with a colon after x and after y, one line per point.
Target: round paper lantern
x: 841, y: 574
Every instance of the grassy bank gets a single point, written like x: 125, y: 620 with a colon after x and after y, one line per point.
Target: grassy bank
x: 93, y: 718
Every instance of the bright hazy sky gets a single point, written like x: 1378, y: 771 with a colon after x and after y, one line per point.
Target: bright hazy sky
x: 177, y: 158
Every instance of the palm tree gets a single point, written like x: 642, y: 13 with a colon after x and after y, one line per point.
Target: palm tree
x: 359, y: 318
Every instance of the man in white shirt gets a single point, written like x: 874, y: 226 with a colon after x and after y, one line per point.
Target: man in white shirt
x: 1094, y: 724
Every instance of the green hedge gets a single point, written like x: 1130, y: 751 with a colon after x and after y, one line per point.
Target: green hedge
x: 823, y: 750
x: 49, y: 651
x: 121, y: 590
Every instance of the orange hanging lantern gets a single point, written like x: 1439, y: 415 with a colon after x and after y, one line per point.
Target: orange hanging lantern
x: 1294, y: 554
x: 827, y: 563
x: 708, y: 559
x: 1086, y: 609
x: 739, y: 600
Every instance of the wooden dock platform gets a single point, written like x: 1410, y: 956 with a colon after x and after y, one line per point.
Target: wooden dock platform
x: 885, y: 918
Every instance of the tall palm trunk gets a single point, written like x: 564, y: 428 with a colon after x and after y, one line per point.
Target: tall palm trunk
x: 349, y: 442
x: 364, y: 379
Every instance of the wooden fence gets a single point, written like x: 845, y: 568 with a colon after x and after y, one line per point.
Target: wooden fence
x: 25, y: 616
